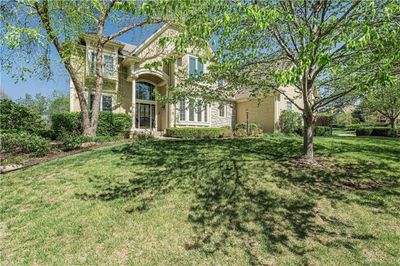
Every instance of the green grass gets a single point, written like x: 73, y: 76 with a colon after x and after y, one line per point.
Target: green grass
x: 212, y: 202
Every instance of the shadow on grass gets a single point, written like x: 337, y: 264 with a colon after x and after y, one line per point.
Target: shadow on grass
x: 247, y: 193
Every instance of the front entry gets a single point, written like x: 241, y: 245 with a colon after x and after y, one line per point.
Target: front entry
x: 145, y: 115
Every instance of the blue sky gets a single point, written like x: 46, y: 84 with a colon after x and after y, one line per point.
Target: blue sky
x: 60, y: 81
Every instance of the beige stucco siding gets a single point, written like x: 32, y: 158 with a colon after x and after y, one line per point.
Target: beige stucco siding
x: 261, y: 112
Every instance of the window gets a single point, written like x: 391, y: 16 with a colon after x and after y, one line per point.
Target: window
x: 108, y: 61
x: 191, y: 110
x: 179, y: 62
x: 195, y: 67
x: 144, y: 91
x: 205, y: 113
x: 182, y: 110
x: 92, y: 64
x: 108, y: 66
x: 105, y: 102
x: 199, y: 110
x: 289, y: 106
x: 221, y: 109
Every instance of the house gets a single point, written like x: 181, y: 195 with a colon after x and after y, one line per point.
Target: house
x: 125, y: 72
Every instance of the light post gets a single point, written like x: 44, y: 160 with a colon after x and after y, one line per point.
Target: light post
x: 247, y: 122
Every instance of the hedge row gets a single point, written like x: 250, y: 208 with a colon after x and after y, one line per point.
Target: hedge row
x: 70, y: 123
x: 378, y: 131
x: 196, y: 132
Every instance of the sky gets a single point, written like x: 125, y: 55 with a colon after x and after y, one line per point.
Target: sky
x: 60, y: 80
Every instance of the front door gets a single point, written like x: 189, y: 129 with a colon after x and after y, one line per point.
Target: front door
x: 145, y: 116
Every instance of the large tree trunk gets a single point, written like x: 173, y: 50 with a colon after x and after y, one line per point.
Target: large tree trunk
x: 308, y: 146
x: 393, y: 122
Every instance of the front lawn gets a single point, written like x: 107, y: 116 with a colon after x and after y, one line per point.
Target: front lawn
x: 224, y: 202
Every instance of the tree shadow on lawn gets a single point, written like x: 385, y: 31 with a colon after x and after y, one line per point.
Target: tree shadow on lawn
x: 247, y: 193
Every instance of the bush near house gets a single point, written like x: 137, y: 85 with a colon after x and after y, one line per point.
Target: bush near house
x: 196, y: 132
x: 70, y: 123
x: 378, y: 131
x: 290, y: 123
x: 324, y: 120
x: 241, y: 130
x: 24, y: 142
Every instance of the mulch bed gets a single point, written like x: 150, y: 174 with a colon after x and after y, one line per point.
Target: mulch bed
x: 54, y: 154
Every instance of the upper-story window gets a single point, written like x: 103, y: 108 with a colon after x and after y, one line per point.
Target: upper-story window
x: 195, y: 67
x: 108, y: 62
x: 289, y: 106
x: 144, y: 91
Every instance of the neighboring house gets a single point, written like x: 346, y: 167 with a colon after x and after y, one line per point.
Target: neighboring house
x: 125, y: 72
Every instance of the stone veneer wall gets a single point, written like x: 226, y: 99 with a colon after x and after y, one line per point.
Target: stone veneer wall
x: 228, y: 120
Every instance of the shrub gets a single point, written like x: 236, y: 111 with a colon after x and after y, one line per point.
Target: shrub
x: 66, y: 123
x: 142, y: 135
x: 342, y: 120
x: 74, y: 142
x: 24, y: 142
x: 384, y: 132
x: 363, y: 131
x: 15, y: 116
x: 322, y: 131
x: 47, y: 133
x: 324, y: 120
x: 241, y: 130
x: 110, y: 124
x: 378, y: 131
x: 290, y: 122
x: 71, y: 143
x: 195, y: 132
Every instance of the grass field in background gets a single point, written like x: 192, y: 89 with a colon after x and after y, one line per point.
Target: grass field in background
x: 226, y: 202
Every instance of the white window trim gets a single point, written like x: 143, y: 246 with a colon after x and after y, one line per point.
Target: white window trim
x: 195, y: 122
x: 90, y: 51
x: 101, y: 100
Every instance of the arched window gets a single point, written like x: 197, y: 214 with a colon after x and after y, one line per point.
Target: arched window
x: 144, y: 91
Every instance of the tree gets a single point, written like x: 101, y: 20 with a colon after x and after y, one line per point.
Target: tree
x: 37, y: 103
x: 325, y: 49
x: 385, y: 100
x: 46, y: 106
x: 61, y: 23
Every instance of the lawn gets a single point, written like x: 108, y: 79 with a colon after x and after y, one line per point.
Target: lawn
x: 211, y: 202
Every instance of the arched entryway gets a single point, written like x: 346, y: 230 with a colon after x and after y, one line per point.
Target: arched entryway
x: 150, y: 114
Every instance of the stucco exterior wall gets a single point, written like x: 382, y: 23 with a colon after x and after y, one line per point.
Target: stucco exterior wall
x: 261, y: 112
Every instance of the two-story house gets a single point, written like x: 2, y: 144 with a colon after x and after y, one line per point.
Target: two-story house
x: 129, y: 88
